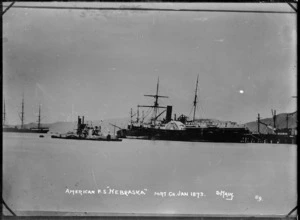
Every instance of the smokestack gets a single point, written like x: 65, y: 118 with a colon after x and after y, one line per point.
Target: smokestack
x: 258, y: 121
x: 169, y: 113
x: 274, y: 118
x: 82, y: 119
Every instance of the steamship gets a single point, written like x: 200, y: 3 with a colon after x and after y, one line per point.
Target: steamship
x: 181, y: 128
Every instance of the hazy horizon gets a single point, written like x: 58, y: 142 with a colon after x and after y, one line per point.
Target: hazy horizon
x: 101, y: 63
x: 128, y: 118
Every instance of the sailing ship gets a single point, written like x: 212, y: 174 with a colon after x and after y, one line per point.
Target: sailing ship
x: 22, y: 128
x: 181, y: 128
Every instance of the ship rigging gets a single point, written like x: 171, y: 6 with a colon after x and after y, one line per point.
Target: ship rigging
x: 155, y: 106
x: 195, y: 99
x: 22, y: 129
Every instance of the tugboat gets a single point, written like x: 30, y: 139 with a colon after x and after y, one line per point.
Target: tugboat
x: 22, y: 129
x: 87, y: 132
x: 181, y: 129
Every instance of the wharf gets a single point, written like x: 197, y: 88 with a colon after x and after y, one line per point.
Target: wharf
x: 270, y: 138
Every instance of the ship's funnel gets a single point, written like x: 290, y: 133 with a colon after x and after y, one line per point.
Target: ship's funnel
x: 169, y: 113
x: 79, y: 121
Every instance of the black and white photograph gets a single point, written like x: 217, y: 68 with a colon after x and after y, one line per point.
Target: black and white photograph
x: 149, y: 109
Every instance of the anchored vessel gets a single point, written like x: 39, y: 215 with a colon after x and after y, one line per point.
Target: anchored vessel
x: 22, y: 129
x: 181, y: 129
x: 86, y: 132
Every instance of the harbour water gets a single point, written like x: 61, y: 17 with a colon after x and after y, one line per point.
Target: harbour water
x: 41, y: 175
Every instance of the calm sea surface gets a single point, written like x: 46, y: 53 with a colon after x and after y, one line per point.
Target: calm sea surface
x: 39, y: 174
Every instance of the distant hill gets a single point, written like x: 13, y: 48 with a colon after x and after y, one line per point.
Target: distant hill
x: 280, y: 122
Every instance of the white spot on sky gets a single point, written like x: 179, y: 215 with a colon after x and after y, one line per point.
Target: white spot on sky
x: 220, y: 40
x: 241, y: 91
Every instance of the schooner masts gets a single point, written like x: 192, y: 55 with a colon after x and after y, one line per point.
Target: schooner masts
x: 22, y: 116
x: 195, y: 99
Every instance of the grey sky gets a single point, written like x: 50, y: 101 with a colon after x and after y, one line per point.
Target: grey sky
x: 101, y: 63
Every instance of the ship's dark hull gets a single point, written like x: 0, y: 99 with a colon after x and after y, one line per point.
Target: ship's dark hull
x: 229, y: 135
x: 25, y: 130
x: 73, y: 137
x: 233, y: 135
x: 215, y: 134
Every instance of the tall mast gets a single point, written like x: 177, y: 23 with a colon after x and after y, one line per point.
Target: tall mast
x: 156, y: 99
x: 4, y: 113
x: 195, y: 100
x: 22, y: 113
x: 296, y: 103
x: 131, y: 115
x: 156, y: 105
x: 274, y: 117
x: 137, y: 115
x: 258, y: 123
x: 39, y: 118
